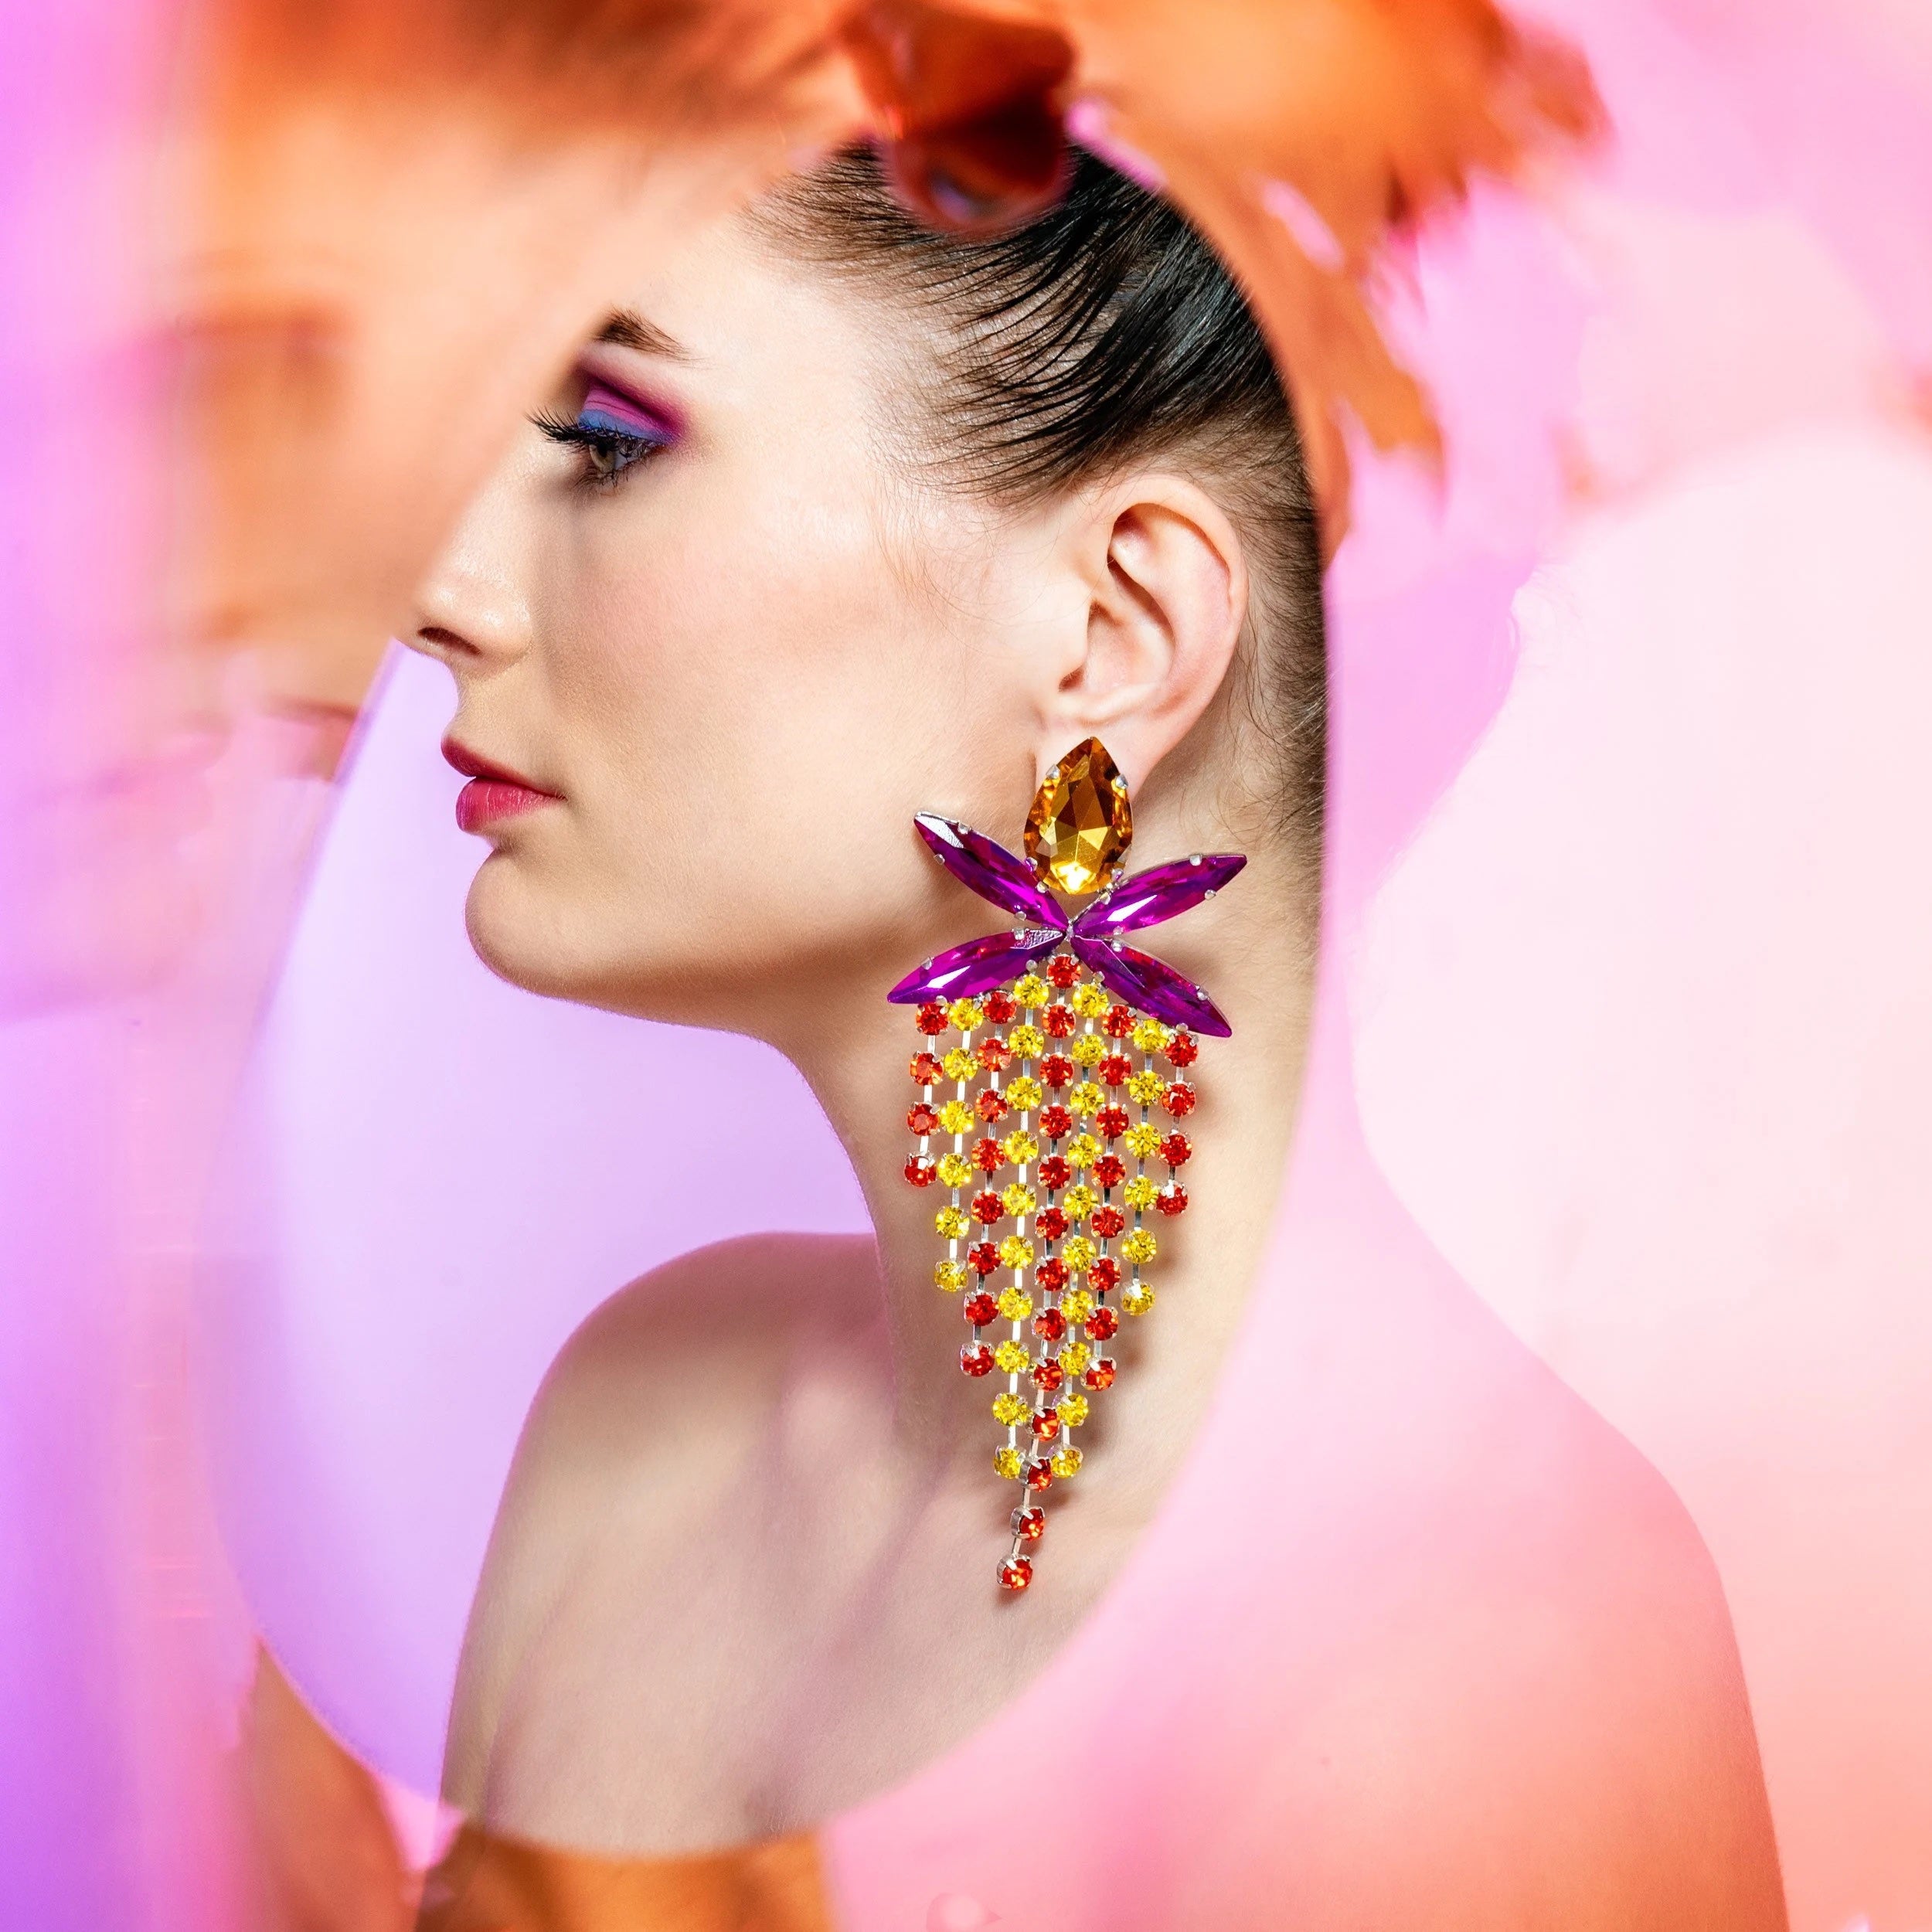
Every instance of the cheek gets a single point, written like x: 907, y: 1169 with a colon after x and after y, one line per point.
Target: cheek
x: 758, y: 701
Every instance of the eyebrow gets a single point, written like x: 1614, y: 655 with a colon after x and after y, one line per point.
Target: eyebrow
x: 625, y: 329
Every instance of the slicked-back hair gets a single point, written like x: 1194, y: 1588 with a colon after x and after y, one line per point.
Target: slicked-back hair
x: 1102, y: 335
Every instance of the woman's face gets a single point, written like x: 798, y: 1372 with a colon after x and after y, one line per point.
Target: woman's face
x: 734, y: 646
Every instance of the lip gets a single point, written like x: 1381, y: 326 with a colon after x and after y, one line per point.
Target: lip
x: 495, y: 791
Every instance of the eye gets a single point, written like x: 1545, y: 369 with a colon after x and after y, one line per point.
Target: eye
x: 611, y: 431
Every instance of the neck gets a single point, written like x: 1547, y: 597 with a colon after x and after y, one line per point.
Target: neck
x: 1252, y: 948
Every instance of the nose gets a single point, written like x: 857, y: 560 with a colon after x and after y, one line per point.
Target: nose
x: 473, y: 610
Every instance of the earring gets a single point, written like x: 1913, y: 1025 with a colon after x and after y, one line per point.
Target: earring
x: 1052, y: 1008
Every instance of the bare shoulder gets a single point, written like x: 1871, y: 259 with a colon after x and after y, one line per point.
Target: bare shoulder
x: 700, y: 1341
x: 1535, y: 1713
x: 653, y: 1412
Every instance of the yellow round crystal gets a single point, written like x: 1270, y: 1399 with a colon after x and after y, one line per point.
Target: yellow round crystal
x: 1137, y: 1297
x: 1076, y: 1305
x: 1023, y: 1091
x: 1073, y: 1410
x: 1012, y: 1357
x: 1140, y: 1245
x: 960, y: 1065
x: 1018, y: 1201
x: 1031, y: 991
x: 1149, y: 1035
x: 1007, y: 1463
x: 1143, y: 1141
x: 1147, y: 1087
x: 1019, y: 1148
x: 1088, y: 1000
x: 950, y: 1275
x: 1015, y: 1305
x: 1082, y: 1151
x: 1078, y: 1252
x: 1009, y: 1407
x: 954, y: 1170
x: 966, y: 1014
x: 1140, y: 1193
x: 1067, y: 1461
x: 1086, y: 1097
x: 1016, y: 1252
x: 956, y: 1117
x: 1077, y: 1202
x: 950, y: 1222
x: 1073, y: 1358
x: 1087, y: 1050
x: 1027, y: 1041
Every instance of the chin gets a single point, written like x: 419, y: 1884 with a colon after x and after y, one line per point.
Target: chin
x: 513, y: 936
x: 533, y: 941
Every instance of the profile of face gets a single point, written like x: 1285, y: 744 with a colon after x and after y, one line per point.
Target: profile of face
x: 718, y: 629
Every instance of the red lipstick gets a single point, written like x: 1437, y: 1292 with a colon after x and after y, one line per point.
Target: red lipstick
x: 494, y: 792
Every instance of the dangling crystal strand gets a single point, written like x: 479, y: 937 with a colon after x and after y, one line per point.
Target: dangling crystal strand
x: 1016, y: 1325
x: 1050, y: 1444
x: 1136, y: 1297
x: 1046, y: 1422
x: 1015, y: 1572
x: 1151, y: 1042
x: 1048, y: 1438
x: 1138, y: 1092
x: 966, y: 1017
x: 975, y: 1358
x: 959, y: 1148
x: 1097, y: 1223
x: 922, y: 1116
x: 1062, y: 973
x: 1029, y: 1518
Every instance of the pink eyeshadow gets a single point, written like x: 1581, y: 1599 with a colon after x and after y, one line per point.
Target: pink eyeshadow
x: 601, y: 401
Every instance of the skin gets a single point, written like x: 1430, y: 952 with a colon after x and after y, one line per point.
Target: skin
x: 742, y: 1576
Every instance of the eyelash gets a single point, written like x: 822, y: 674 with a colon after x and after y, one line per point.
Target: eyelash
x: 608, y: 454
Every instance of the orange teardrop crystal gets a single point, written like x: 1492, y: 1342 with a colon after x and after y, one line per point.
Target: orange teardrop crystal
x: 1080, y: 823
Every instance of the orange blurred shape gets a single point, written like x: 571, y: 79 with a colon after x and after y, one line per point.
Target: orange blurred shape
x: 1376, y: 113
x: 971, y: 107
x: 397, y: 223
x: 401, y: 218
x: 325, y: 1858
x: 485, y: 1884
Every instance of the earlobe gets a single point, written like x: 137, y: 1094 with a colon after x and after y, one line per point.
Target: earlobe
x: 1167, y: 585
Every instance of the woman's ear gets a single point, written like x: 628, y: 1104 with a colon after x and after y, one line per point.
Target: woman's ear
x: 1167, y: 595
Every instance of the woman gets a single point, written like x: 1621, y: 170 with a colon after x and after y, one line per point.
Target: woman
x: 839, y: 522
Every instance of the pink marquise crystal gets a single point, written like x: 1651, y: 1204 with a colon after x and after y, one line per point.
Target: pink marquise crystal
x: 975, y: 967
x: 1146, y: 982
x: 1160, y: 893
x: 988, y: 868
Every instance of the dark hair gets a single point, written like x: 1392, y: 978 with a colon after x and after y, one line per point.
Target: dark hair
x: 1103, y: 333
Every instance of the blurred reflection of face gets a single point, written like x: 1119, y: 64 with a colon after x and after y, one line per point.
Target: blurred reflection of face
x: 704, y: 610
